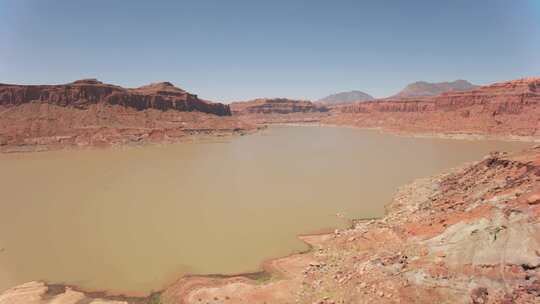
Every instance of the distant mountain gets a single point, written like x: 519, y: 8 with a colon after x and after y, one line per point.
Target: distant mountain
x: 423, y: 88
x: 345, y: 97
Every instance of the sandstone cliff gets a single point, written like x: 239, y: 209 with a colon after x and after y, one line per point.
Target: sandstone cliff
x: 508, y: 110
x: 503, y: 109
x: 275, y: 106
x: 83, y: 93
x: 90, y: 113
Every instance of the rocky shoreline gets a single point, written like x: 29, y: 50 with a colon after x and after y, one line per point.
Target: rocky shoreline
x: 468, y: 236
x: 189, y: 136
x: 471, y: 235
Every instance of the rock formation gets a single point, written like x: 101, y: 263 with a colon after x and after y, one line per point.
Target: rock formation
x: 423, y: 88
x: 275, y: 106
x: 345, y: 98
x: 83, y: 93
x: 503, y: 109
x: 91, y: 113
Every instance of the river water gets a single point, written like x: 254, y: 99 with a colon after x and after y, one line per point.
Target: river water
x: 132, y: 220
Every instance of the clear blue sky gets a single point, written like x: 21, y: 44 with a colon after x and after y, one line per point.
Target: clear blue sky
x: 235, y: 50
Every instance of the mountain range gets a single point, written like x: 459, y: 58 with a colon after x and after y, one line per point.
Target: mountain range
x: 424, y: 88
x: 345, y: 98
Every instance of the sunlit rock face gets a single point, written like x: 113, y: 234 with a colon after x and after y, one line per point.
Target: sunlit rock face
x: 509, y: 108
x: 83, y: 93
x: 91, y: 113
x: 275, y: 106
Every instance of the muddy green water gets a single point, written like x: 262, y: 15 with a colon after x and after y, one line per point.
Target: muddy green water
x: 134, y: 219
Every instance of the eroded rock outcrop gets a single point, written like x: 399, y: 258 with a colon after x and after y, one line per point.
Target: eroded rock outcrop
x: 90, y: 113
x: 275, y: 106
x: 503, y: 109
x: 506, y: 97
x: 83, y: 93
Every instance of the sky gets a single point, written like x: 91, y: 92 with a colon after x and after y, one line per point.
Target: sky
x: 238, y: 50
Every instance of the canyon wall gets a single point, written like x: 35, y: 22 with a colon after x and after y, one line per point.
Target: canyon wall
x: 275, y: 106
x: 83, y: 93
x: 503, y: 109
x: 90, y: 113
x: 510, y: 97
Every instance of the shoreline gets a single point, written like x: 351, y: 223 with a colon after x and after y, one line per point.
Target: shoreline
x: 209, y: 135
x: 266, y: 273
x: 406, y: 203
x: 315, y: 240
x: 270, y: 271
x: 456, y: 136
x: 190, y: 138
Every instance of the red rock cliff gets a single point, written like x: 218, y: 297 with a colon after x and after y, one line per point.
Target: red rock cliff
x: 275, y: 106
x: 82, y: 93
x: 90, y: 113
x: 509, y: 108
x: 510, y: 97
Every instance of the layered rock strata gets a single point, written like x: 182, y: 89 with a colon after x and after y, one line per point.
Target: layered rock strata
x: 83, y: 93
x: 88, y: 113
x: 275, y: 106
x: 502, y: 109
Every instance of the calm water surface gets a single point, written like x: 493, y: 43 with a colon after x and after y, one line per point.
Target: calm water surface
x: 134, y: 219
